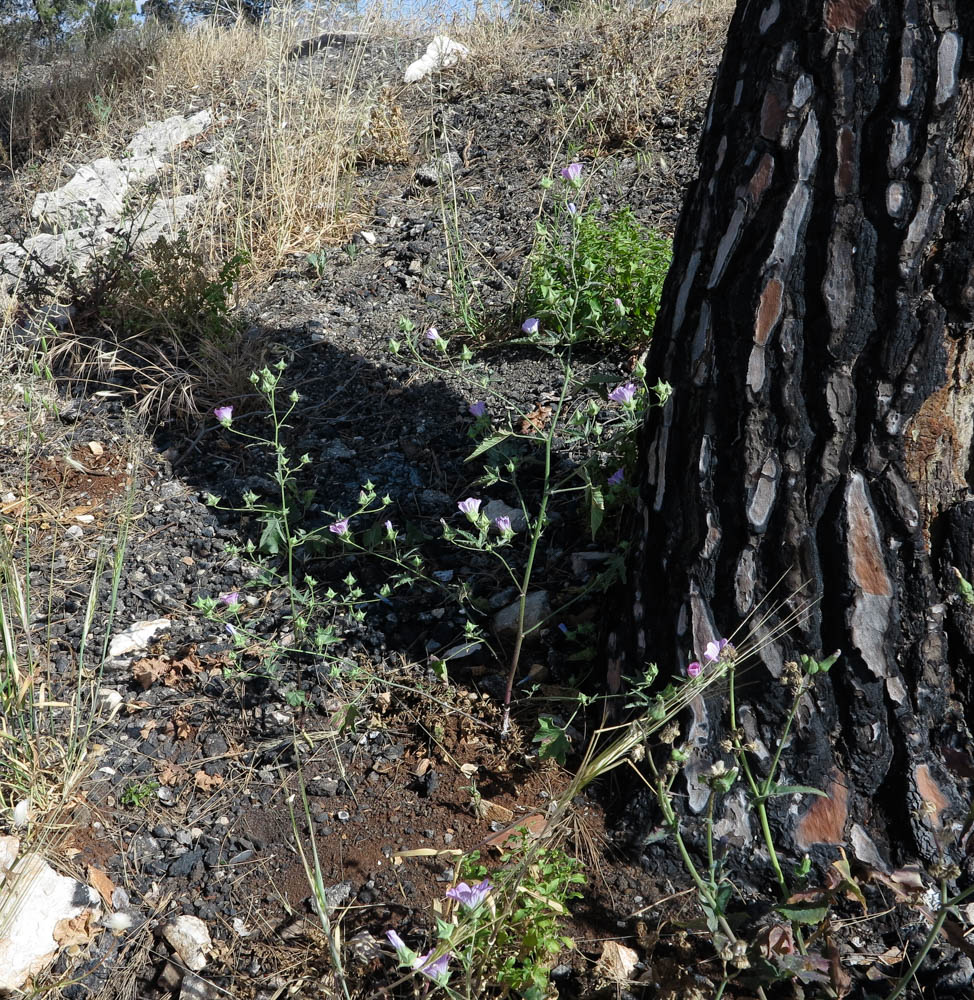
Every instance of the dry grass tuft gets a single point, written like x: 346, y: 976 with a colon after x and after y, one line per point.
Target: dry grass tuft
x: 42, y: 106
x: 647, y: 60
x: 387, y: 138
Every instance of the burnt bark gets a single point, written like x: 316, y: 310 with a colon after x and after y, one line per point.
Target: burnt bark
x: 816, y: 327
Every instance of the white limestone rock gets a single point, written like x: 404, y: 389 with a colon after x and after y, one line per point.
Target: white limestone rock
x: 136, y: 637
x: 189, y: 939
x: 35, y: 904
x: 441, y: 53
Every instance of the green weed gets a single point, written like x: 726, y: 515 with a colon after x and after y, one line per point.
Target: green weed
x: 594, y: 279
x: 138, y: 795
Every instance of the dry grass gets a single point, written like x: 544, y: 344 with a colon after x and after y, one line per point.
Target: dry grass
x: 288, y: 137
x: 647, y: 61
x: 290, y: 131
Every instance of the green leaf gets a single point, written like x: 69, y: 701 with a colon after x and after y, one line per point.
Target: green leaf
x: 777, y: 790
x: 272, y: 537
x: 596, y: 502
x: 553, y: 739
x: 809, y: 913
x: 492, y: 442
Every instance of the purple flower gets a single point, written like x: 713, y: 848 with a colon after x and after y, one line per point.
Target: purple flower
x: 469, y: 896
x: 339, y: 527
x: 231, y: 630
x: 623, y: 393
x: 232, y: 598
x: 396, y: 941
x: 437, y: 970
x: 477, y: 409
x: 619, y: 306
x: 390, y: 530
x: 714, y: 649
x: 406, y: 954
x: 224, y: 414
x: 563, y: 627
x: 571, y: 208
x: 432, y: 334
x: 470, y: 507
x: 530, y: 326
x: 693, y: 670
x: 571, y: 173
x: 617, y: 477
x: 503, y: 525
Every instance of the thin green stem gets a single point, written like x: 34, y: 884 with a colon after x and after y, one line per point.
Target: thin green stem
x: 781, y: 743
x: 935, y: 928
x: 709, y: 825
x: 536, y: 532
x: 706, y: 891
x: 758, y: 796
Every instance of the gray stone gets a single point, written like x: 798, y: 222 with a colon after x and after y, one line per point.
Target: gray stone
x: 79, y: 219
x: 537, y: 607
x: 497, y: 508
x: 336, y: 895
x: 185, y: 863
x: 462, y: 650
x: 194, y: 988
x: 438, y: 169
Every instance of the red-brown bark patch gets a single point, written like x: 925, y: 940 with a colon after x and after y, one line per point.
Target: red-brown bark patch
x: 846, y: 15
x: 824, y: 822
x: 934, y: 799
x: 769, y: 311
x: 868, y: 566
x: 773, y: 113
x: 761, y: 179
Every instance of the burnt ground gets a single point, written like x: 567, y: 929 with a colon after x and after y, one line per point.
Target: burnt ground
x: 186, y: 803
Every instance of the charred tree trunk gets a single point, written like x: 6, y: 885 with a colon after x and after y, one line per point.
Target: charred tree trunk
x: 817, y: 331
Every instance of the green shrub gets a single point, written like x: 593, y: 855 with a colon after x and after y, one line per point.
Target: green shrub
x: 172, y: 294
x: 157, y: 322
x: 595, y: 280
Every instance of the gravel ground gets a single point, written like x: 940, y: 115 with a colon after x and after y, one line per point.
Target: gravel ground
x: 200, y: 741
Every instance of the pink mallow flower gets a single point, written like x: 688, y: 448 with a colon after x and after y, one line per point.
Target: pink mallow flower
x: 224, y: 414
x: 436, y: 970
x: 617, y: 477
x: 397, y: 942
x: 530, y: 326
x: 470, y: 507
x: 469, y: 896
x: 623, y: 393
x: 230, y: 599
x: 714, y: 649
x: 572, y: 173
x: 432, y: 334
x: 693, y: 670
x: 503, y: 525
x: 339, y: 528
x: 478, y: 409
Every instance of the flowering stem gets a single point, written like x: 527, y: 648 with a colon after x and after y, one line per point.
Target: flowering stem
x: 709, y: 824
x: 769, y: 781
x: 538, y: 529
x: 706, y: 891
x: 758, y: 795
x: 282, y: 477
